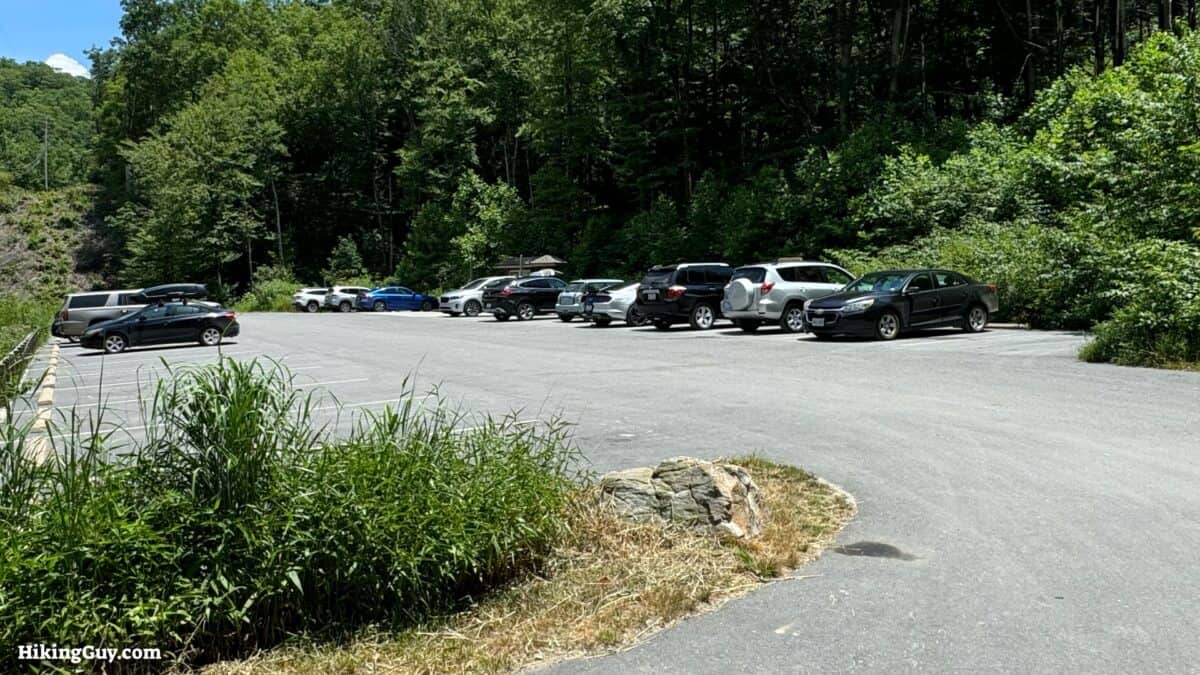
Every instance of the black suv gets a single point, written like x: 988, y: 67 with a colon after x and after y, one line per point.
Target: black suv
x: 524, y: 298
x: 689, y: 292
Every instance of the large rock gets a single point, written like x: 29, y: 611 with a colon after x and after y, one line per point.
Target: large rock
x: 690, y: 492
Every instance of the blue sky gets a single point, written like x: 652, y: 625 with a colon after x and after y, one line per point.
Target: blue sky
x: 32, y: 30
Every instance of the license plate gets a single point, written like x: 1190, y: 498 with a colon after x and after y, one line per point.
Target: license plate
x: 651, y: 295
x: 817, y: 321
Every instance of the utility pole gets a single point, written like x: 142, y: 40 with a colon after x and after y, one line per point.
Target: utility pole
x: 46, y: 154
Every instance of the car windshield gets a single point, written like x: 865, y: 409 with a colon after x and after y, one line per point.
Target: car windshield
x: 473, y: 284
x: 877, y: 282
x: 658, y: 277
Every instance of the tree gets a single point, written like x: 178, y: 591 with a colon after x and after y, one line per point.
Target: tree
x: 345, y: 263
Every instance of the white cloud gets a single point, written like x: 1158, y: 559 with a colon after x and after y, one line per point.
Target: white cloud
x: 65, y: 64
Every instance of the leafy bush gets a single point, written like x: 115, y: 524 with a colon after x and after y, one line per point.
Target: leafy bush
x: 240, y: 518
x: 1158, y: 320
x: 271, y: 291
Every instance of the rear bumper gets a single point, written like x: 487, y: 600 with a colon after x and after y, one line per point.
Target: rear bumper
x: 569, y: 310
x: 65, y: 329
x: 232, y: 330
x: 500, y: 307
x: 670, y: 311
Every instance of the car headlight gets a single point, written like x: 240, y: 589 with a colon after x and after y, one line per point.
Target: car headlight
x: 858, y: 306
x: 806, y: 304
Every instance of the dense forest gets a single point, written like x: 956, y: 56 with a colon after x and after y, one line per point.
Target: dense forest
x: 236, y: 142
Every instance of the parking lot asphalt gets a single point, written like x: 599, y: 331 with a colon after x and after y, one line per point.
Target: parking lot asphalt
x: 1037, y: 514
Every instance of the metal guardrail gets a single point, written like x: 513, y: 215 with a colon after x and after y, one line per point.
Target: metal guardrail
x: 12, y: 366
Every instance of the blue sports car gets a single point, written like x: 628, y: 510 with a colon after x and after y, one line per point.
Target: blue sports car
x: 393, y: 298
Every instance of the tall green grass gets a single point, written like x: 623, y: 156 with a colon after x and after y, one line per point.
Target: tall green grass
x: 240, y: 519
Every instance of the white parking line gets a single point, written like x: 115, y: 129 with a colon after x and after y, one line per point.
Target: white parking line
x: 319, y: 384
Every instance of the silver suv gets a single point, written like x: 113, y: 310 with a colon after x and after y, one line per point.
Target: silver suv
x: 81, y: 310
x: 469, y: 299
x: 775, y: 292
x: 344, y: 298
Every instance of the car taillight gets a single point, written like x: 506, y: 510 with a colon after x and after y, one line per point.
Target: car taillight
x: 766, y: 287
x: 230, y: 315
x: 676, y: 291
x: 507, y: 291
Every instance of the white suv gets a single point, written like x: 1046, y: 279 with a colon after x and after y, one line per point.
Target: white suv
x: 469, y: 299
x: 775, y: 292
x: 309, y: 299
x: 344, y: 298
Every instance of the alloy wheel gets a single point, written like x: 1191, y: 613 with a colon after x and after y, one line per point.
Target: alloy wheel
x: 471, y: 308
x: 525, y: 311
x: 211, y: 337
x: 888, y: 326
x: 977, y: 319
x: 379, y: 306
x: 114, y: 344
x: 311, y: 307
x: 793, y: 320
x: 702, y: 317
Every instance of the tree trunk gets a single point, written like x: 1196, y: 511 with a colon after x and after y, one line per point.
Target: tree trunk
x: 278, y: 221
x: 1166, y: 14
x: 844, y: 17
x: 1030, y: 53
x: 1191, y: 14
x: 1098, y: 22
x: 899, y: 45
x: 1118, y: 32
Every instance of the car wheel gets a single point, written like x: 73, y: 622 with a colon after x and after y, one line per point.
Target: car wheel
x: 887, y: 326
x: 344, y: 306
x: 703, y: 317
x: 602, y: 321
x: 525, y: 311
x: 115, y: 343
x: 210, y: 337
x: 501, y: 316
x: 662, y: 325
x: 566, y: 318
x: 379, y: 306
x: 792, y: 320
x: 976, y: 319
x: 312, y: 307
x: 748, y: 325
x: 427, y: 305
x: 472, y: 308
x: 635, y: 318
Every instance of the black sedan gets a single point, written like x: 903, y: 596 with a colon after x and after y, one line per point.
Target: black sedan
x: 885, y: 304
x: 202, y: 322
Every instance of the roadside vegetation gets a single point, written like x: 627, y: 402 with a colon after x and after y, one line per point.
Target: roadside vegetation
x: 241, y: 519
x: 607, y: 584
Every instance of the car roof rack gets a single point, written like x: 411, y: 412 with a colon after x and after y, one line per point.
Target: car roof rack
x: 176, y: 292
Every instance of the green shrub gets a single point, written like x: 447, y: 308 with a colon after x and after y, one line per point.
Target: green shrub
x: 271, y: 291
x: 240, y: 518
x: 1157, y: 322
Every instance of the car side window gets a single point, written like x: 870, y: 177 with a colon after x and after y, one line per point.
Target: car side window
x: 718, y: 275
x: 537, y: 283
x: 806, y: 275
x: 919, y: 283
x: 155, y: 312
x: 948, y: 279
x: 88, y: 301
x: 404, y: 291
x: 556, y: 283
x: 833, y: 275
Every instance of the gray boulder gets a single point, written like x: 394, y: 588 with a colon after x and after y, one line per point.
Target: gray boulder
x: 694, y: 493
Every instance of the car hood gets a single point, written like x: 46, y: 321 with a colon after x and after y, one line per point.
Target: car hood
x: 837, y: 300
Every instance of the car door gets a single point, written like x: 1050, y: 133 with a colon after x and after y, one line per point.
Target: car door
x: 183, y: 323
x: 924, y: 304
x: 953, y: 292
x: 404, y: 298
x: 150, y: 326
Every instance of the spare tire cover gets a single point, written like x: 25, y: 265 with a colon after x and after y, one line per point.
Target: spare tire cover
x: 740, y: 294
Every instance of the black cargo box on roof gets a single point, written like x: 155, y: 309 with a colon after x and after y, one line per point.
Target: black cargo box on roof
x: 175, y: 292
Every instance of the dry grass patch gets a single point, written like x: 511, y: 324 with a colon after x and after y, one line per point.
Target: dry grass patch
x: 608, y: 586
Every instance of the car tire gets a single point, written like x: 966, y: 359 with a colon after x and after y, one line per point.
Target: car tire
x: 344, y: 306
x: 115, y: 343
x: 312, y: 307
x: 976, y: 319
x: 526, y: 311
x: 662, y: 325
x: 210, y: 337
x: 501, y: 317
x: 427, y: 305
x: 887, y: 326
x: 566, y: 318
x: 635, y: 318
x: 379, y: 306
x: 602, y: 321
x: 748, y: 325
x: 702, y: 316
x: 792, y: 319
x: 472, y: 308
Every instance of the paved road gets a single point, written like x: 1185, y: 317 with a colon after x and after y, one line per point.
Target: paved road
x: 1045, y: 513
